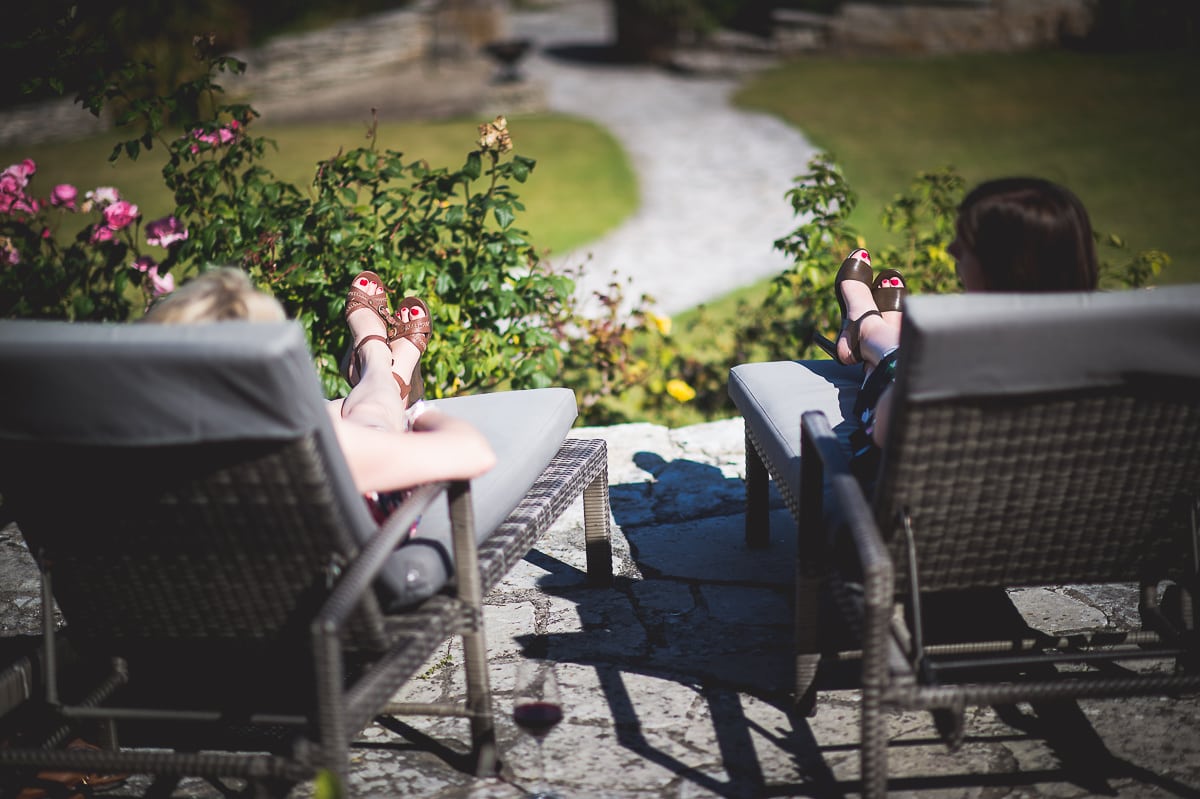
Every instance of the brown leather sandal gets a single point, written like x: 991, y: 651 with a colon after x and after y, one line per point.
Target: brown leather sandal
x: 411, y: 321
x: 357, y: 299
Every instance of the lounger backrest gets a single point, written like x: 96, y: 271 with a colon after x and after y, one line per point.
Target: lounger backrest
x: 182, y: 482
x: 1041, y: 439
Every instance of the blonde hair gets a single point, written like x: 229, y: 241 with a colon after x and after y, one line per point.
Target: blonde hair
x: 218, y: 295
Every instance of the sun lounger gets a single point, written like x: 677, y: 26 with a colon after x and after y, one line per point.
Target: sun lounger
x: 193, y: 519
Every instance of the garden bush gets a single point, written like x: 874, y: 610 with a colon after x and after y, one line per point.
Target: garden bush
x: 504, y: 319
x: 800, y: 300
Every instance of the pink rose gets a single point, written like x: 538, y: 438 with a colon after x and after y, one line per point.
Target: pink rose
x: 120, y: 214
x: 165, y: 232
x: 222, y: 135
x: 144, y: 264
x: 163, y: 284
x: 11, y: 184
x: 21, y: 172
x: 18, y: 203
x: 64, y: 194
x: 101, y: 233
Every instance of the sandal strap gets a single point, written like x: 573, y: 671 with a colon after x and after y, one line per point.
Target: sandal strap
x: 889, y: 298
x: 357, y: 299
x: 405, y: 388
x: 359, y: 346
x: 852, y: 337
x: 415, y: 330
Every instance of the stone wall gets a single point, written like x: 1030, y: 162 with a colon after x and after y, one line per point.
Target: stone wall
x: 335, y: 56
x: 996, y: 26
x: 388, y: 47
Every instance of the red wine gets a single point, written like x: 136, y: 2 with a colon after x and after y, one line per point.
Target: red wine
x: 537, y: 718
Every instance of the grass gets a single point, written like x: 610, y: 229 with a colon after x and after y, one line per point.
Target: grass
x: 571, y: 153
x: 1121, y: 130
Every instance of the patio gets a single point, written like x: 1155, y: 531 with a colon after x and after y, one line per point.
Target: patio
x: 675, y: 682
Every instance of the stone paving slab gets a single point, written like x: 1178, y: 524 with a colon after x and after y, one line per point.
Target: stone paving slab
x: 676, y: 680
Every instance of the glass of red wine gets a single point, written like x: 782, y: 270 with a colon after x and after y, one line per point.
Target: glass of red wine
x: 537, y: 708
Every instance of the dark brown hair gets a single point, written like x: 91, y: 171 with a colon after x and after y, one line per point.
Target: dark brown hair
x: 1029, y: 234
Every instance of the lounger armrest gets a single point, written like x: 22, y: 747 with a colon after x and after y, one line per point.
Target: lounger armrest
x: 821, y: 454
x: 361, y: 574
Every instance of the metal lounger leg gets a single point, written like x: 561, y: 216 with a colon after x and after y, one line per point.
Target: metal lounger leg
x: 758, y: 518
x: 597, y: 531
x: 470, y: 592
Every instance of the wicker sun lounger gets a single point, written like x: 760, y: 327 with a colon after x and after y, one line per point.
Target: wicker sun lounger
x: 193, y: 519
x: 1035, y: 440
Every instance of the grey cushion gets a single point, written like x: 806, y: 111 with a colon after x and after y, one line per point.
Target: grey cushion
x: 143, y: 385
x: 772, y: 395
x: 156, y: 384
x: 979, y: 344
x: 525, y: 429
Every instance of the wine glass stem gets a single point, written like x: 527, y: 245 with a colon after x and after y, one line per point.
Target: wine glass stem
x: 541, y: 770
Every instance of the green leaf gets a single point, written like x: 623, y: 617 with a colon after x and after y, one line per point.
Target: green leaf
x: 474, y: 166
x: 83, y: 306
x: 503, y: 215
x: 520, y: 169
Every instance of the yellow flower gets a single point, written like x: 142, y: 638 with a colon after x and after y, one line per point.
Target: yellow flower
x: 663, y: 323
x: 937, y: 254
x: 680, y: 390
x: 861, y: 242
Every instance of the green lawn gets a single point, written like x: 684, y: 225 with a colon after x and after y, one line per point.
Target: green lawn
x: 570, y: 153
x: 1122, y: 131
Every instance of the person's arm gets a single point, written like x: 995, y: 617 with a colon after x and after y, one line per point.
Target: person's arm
x: 440, y: 447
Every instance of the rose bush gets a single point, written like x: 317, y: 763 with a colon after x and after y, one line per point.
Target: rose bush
x: 103, y: 273
x: 502, y: 317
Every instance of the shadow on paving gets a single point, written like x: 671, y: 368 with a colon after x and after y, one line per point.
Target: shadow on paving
x: 723, y: 631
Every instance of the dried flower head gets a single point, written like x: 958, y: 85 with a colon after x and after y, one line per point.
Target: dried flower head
x: 494, y: 137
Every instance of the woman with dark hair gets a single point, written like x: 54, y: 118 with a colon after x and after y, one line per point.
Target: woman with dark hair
x: 1012, y: 234
x: 1024, y: 234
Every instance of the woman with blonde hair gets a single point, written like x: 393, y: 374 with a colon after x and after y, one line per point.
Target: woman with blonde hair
x: 388, y: 446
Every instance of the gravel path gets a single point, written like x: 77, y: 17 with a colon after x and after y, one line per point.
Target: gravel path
x: 711, y: 177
